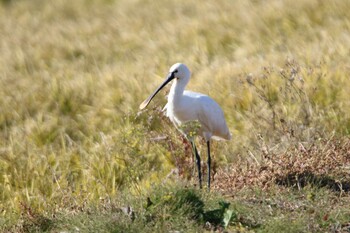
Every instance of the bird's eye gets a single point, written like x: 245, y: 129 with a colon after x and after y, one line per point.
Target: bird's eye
x: 176, y: 71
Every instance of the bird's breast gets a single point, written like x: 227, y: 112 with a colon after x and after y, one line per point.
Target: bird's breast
x: 180, y: 114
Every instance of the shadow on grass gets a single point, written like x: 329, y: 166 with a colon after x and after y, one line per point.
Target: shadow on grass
x: 189, y: 205
x: 308, y: 178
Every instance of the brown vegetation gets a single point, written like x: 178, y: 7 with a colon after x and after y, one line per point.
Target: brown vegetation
x: 323, y: 164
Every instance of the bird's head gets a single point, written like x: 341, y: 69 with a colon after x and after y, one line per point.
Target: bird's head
x: 177, y: 71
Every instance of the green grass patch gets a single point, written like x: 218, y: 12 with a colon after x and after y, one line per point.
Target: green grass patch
x: 179, y: 208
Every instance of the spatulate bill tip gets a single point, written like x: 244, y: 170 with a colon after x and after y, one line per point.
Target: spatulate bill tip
x: 143, y: 104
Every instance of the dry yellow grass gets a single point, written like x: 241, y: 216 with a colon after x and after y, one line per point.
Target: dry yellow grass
x: 72, y: 74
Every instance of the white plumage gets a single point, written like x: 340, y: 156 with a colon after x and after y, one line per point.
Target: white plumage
x: 186, y: 106
x: 196, y: 106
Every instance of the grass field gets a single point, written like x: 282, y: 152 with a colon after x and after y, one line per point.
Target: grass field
x: 76, y: 154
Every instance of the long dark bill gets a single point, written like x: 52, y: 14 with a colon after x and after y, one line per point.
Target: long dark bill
x: 148, y: 100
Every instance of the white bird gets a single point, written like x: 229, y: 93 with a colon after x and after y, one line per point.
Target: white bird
x: 187, y: 106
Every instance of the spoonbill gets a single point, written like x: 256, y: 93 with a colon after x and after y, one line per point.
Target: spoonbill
x: 187, y: 106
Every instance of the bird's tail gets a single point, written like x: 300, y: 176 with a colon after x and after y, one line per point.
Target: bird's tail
x: 227, y: 137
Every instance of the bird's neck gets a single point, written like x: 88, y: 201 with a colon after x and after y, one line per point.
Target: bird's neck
x: 176, y: 91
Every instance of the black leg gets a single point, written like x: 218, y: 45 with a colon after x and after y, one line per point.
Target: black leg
x: 209, y: 163
x: 198, y: 160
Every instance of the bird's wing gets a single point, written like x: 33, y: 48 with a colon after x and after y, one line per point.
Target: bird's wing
x: 212, y: 118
